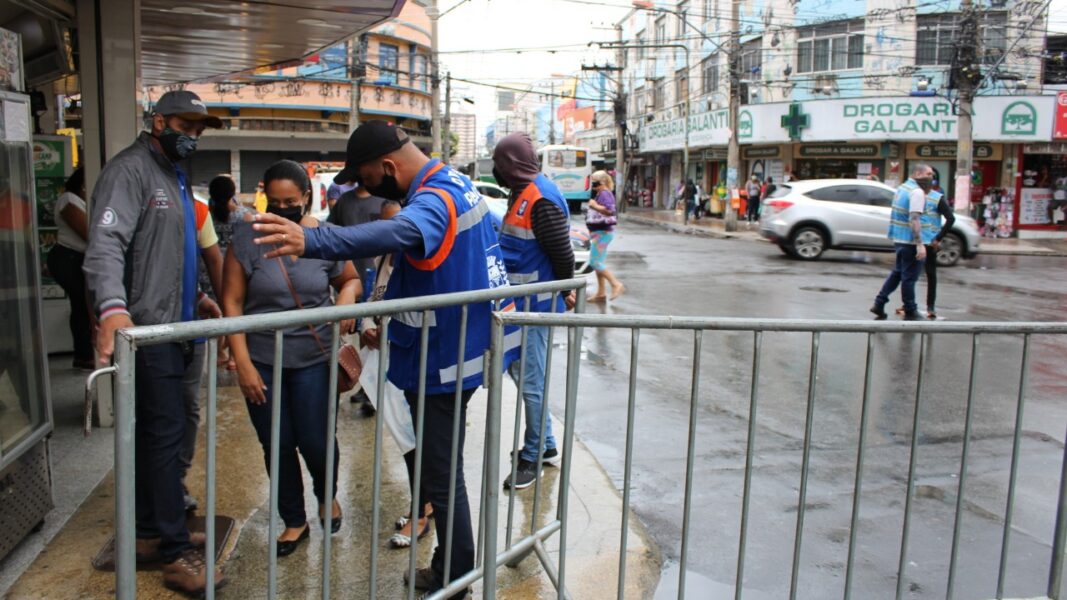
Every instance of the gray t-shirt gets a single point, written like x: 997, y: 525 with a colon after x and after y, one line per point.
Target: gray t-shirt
x: 353, y: 210
x: 267, y: 292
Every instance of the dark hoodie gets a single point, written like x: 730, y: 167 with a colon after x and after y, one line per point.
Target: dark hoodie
x: 515, y: 165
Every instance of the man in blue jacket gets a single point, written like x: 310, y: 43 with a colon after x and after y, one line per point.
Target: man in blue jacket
x: 446, y: 244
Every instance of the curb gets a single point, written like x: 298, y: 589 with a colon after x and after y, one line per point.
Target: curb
x: 711, y: 233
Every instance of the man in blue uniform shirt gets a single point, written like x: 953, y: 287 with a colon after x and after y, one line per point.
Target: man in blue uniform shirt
x: 446, y: 243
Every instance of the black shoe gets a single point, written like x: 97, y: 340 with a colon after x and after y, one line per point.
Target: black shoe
x: 367, y: 410
x: 525, y: 475
x: 359, y: 397
x: 425, y: 579
x: 551, y: 457
x: 335, y: 524
x: 288, y: 547
x: 912, y: 316
x: 879, y: 312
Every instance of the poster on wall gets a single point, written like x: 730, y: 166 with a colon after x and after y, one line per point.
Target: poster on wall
x: 1034, y: 206
x: 10, y: 61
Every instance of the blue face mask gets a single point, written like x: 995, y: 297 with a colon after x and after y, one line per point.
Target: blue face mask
x: 176, y: 145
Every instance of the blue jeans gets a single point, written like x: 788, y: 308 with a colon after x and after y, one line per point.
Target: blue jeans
x: 533, y: 393
x: 905, y: 273
x: 303, y: 428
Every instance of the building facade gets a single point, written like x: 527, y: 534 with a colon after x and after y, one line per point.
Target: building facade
x: 846, y: 89
x: 304, y: 111
x: 464, y: 125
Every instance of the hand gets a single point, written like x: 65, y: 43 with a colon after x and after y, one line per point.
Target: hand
x: 921, y: 252
x: 209, y: 309
x: 348, y: 326
x: 285, y: 234
x: 105, y: 336
x: 569, y: 300
x: 251, y: 383
x: 369, y: 338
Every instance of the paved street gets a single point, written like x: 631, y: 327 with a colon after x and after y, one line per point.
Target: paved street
x: 673, y: 274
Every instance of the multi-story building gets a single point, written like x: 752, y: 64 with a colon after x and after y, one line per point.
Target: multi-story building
x: 305, y: 111
x: 844, y: 89
x: 465, y: 127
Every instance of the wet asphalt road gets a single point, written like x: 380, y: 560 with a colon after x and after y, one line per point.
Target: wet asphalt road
x: 673, y: 274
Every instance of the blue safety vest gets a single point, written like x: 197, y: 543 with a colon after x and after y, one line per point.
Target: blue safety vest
x: 469, y: 258
x: 523, y: 256
x: 899, y: 221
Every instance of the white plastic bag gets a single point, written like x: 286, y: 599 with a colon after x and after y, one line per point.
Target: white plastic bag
x: 396, y: 415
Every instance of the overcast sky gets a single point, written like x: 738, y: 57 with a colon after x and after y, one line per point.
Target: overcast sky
x: 474, y: 33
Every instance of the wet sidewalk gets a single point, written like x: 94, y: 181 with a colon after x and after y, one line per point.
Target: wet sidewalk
x: 62, y: 569
x: 716, y: 227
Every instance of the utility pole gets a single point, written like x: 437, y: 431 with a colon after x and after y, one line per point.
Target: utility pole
x: 446, y: 137
x: 968, y: 73
x: 733, y: 152
x: 620, y: 121
x: 355, y: 58
x: 435, y: 80
x: 552, y: 114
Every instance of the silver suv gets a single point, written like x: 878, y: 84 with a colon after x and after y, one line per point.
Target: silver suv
x: 806, y: 218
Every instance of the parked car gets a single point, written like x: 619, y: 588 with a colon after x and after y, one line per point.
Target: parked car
x: 491, y: 190
x: 498, y: 207
x: 806, y: 218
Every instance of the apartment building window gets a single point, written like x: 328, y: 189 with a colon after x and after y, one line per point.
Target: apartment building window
x: 639, y: 101
x: 681, y: 85
x: 421, y: 71
x: 661, y: 30
x: 659, y: 95
x: 683, y: 14
x: 709, y: 68
x: 937, y: 37
x: 388, y: 62
x: 639, y: 41
x: 707, y: 10
x: 751, y: 58
x: 830, y: 47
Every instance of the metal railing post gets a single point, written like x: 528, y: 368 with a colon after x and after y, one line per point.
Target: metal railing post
x: 690, y: 458
x: 376, y: 485
x: 1009, y: 507
x: 805, y: 466
x: 492, y: 464
x: 857, y: 485
x: 209, y: 467
x: 420, y: 430
x: 454, y: 460
x: 331, y: 441
x: 964, y: 455
x: 905, y: 532
x: 631, y: 405
x: 574, y: 339
x: 125, y: 470
x: 275, y: 441
x: 1059, y: 540
x: 757, y: 348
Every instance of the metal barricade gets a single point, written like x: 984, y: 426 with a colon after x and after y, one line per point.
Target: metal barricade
x: 128, y: 341
x: 576, y: 323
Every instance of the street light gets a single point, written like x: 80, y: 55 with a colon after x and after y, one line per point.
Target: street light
x: 685, y: 149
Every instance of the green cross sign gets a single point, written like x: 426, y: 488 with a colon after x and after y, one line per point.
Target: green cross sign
x: 794, y: 121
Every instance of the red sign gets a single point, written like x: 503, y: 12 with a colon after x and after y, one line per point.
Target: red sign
x: 1060, y: 132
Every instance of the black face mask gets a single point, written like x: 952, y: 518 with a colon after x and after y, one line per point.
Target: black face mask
x: 925, y: 184
x: 594, y: 191
x: 499, y: 178
x: 388, y: 189
x: 293, y: 213
x: 176, y: 145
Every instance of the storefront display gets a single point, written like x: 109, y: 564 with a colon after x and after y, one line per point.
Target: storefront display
x: 1043, y: 193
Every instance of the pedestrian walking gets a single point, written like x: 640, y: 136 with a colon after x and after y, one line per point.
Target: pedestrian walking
x: 600, y: 220
x: 913, y: 224
x: 690, y: 194
x: 65, y: 264
x: 256, y: 285
x: 141, y: 267
x: 445, y: 242
x: 930, y: 265
x: 752, y: 191
x: 535, y: 238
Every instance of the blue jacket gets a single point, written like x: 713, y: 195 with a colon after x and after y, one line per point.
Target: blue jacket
x: 525, y: 261
x: 899, y: 221
x: 467, y: 258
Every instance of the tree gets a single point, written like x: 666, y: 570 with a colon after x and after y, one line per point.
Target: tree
x: 453, y: 147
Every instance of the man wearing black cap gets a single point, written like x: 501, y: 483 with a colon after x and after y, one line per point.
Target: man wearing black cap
x: 446, y: 243
x: 140, y: 267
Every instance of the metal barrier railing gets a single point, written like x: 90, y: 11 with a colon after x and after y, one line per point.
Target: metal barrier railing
x: 575, y: 323
x: 129, y: 340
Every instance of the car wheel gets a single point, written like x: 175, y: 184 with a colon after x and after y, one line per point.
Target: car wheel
x: 950, y: 251
x: 808, y: 243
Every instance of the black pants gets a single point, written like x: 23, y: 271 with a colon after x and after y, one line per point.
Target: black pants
x: 65, y: 265
x: 931, y: 278
x: 436, y: 459
x: 753, y: 208
x: 160, y: 413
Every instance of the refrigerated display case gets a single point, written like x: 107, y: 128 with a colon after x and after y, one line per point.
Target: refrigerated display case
x: 25, y: 403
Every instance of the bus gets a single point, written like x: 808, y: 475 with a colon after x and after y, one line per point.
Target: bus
x: 569, y: 167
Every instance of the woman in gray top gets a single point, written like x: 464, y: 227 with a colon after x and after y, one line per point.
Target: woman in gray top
x: 255, y: 285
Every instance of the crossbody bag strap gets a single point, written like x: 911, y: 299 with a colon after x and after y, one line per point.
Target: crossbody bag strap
x: 300, y: 305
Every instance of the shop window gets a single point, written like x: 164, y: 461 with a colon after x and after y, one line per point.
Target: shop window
x: 833, y: 46
x: 388, y: 62
x: 709, y: 67
x: 937, y: 37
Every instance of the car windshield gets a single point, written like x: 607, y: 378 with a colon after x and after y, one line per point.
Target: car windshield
x: 780, y: 190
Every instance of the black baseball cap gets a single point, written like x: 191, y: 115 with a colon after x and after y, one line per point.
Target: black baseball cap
x: 373, y: 139
x: 186, y: 105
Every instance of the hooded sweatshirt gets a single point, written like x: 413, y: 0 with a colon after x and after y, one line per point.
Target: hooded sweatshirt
x: 515, y: 165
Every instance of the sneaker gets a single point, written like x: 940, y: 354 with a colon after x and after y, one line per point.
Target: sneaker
x: 551, y: 457
x: 525, y: 475
x: 912, y: 316
x: 425, y: 579
x: 188, y: 574
x: 879, y: 312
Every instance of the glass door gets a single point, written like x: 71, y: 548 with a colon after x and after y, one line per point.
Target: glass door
x: 25, y: 406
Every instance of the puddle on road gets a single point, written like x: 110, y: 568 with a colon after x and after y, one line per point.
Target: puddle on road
x: 828, y: 290
x: 698, y: 586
